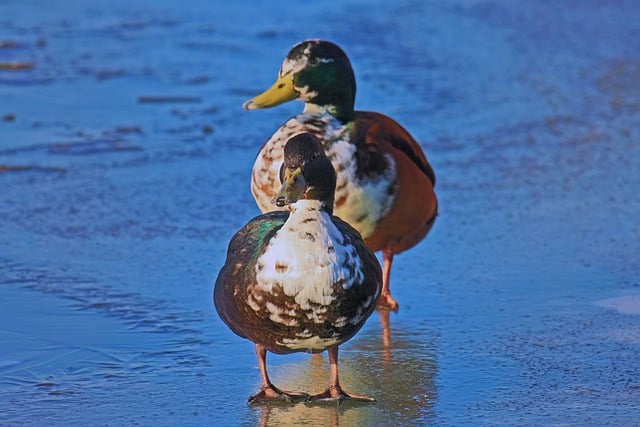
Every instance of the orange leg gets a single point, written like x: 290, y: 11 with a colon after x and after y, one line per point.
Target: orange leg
x: 334, y: 391
x: 386, y: 300
x: 267, y: 390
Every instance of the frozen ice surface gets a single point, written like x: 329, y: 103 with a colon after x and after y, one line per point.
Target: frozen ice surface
x: 125, y: 159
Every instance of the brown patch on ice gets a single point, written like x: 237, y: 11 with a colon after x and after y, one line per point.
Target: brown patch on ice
x: 620, y: 83
x: 29, y: 168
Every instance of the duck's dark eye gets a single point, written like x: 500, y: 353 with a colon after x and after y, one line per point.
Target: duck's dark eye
x: 312, y: 62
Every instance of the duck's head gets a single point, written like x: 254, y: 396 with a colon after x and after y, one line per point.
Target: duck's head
x: 306, y: 173
x: 317, y: 72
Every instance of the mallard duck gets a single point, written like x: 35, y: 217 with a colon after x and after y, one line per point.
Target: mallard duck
x: 385, y: 185
x: 300, y: 280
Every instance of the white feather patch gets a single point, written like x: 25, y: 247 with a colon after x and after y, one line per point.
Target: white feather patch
x: 306, y: 257
x: 313, y: 343
x: 295, y: 65
x: 368, y: 200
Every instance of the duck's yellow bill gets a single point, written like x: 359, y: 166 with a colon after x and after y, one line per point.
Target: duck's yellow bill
x: 292, y: 188
x: 281, y: 91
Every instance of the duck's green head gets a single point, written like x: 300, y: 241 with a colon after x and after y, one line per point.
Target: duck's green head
x: 306, y: 173
x: 317, y: 72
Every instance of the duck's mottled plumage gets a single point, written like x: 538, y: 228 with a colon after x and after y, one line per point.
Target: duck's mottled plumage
x: 301, y: 279
x: 385, y: 185
x: 254, y: 294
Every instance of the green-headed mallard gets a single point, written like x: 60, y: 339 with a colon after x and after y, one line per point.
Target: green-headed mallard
x: 300, y: 279
x: 384, y: 181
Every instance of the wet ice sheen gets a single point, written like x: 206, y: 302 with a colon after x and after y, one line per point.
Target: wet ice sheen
x: 628, y: 304
x: 520, y: 308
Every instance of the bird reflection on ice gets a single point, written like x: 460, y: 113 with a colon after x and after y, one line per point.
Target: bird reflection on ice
x: 398, y: 370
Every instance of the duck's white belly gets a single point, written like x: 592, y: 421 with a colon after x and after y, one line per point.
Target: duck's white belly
x: 305, y: 268
x: 361, y: 202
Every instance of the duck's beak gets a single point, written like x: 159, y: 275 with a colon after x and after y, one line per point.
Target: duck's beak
x: 281, y: 91
x: 292, y: 188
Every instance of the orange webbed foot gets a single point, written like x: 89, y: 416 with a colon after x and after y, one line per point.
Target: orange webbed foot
x: 271, y: 392
x: 387, y: 302
x: 336, y: 394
